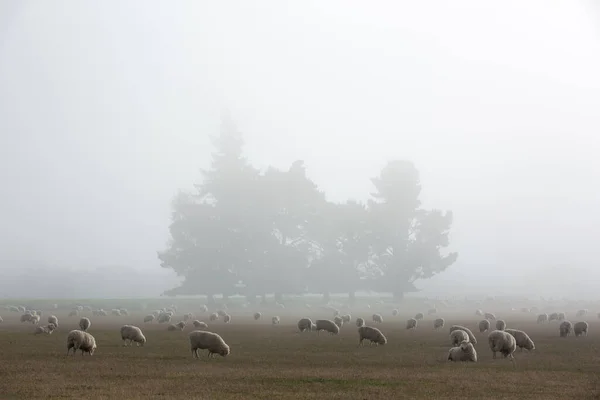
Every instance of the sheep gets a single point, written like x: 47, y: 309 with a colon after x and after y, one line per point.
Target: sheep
x: 305, y: 324
x: 500, y: 325
x: 188, y: 316
x: 411, y: 323
x: 438, y: 323
x: 338, y: 321
x: 346, y: 318
x: 395, y: 312
x: 175, y: 327
x: 464, y: 352
x: 472, y: 338
x: 580, y: 328
x: 123, y: 311
x: 525, y: 310
x: 553, y: 317
x: 132, y: 334
x: 87, y: 308
x: 581, y: 313
x: 102, y: 313
x: 275, y: 320
x: 203, y: 308
x: 21, y: 309
x: 562, y: 316
x: 257, y: 316
x: 164, y: 318
x: 204, y: 340
x: 213, y: 317
x: 221, y: 313
x: 53, y: 320
x: 373, y: 335
x: 84, y: 324
x: 432, y: 311
x: 457, y: 337
x: 488, y: 315
x: 565, y: 328
x: 227, y: 318
x: 80, y: 340
x: 478, y: 312
x: 522, y: 339
x: 13, y: 309
x: 360, y: 322
x: 149, y: 318
x: 542, y: 318
x: 484, y: 325
x: 44, y: 329
x: 199, y: 324
x: 503, y: 342
x: 419, y: 316
x: 326, y: 325
x: 26, y: 318
x: 35, y: 319
x: 377, y: 318
x: 115, y: 311
x: 79, y: 308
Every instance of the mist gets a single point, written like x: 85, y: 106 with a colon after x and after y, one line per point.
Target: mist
x: 106, y: 109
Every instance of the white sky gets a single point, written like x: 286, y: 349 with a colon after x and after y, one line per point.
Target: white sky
x: 106, y: 108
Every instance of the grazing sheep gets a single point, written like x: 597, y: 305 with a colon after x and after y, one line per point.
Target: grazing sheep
x: 438, y: 323
x: 13, y: 309
x: 164, y: 318
x: 213, y: 317
x: 188, y: 316
x: 203, y: 308
x: 80, y: 340
x: 542, y: 318
x: 115, y: 312
x: 44, y: 329
x: 503, y: 342
x: 176, y: 327
x: 464, y: 352
x: 377, y: 318
x: 35, y: 319
x: 360, y: 322
x: 84, y: 324
x: 553, y: 317
x: 395, y: 312
x: 123, y: 311
x: 500, y: 325
x: 346, y: 318
x: 132, y: 334
x: 562, y: 316
x: 338, y: 321
x: 305, y: 324
x: 581, y: 312
x: 523, y: 340
x: 580, y: 328
x: 419, y: 316
x: 457, y: 337
x: 565, y: 328
x: 472, y: 338
x: 326, y: 325
x: 478, y: 312
x: 257, y: 316
x: 204, y: 340
x: 373, y: 335
x: 26, y: 318
x: 484, y: 325
x: 488, y: 315
x: 227, y: 318
x: 53, y: 320
x: 200, y: 324
x: 221, y: 313
x: 149, y: 318
x: 275, y: 320
x: 411, y: 323
x: 102, y: 313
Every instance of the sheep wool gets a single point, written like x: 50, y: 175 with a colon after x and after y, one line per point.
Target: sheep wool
x: 257, y: 316
x: 204, y: 340
x: 553, y: 317
x: 338, y: 321
x: 581, y: 313
x: 360, y: 322
x: 464, y: 352
x: 346, y: 318
x: 503, y: 342
x: 164, y: 318
x: 542, y: 318
x: 478, y: 312
x: 373, y: 335
x: 523, y: 340
x: 411, y: 323
x: 500, y: 325
x: 227, y: 318
x: 438, y: 323
x: 130, y: 334
x: 44, y: 329
x: 213, y: 317
x: 149, y: 318
x: 84, y: 324
x: 53, y: 320
x: 26, y: 318
x: 562, y: 316
x: 565, y: 328
x: 377, y: 318
x: 472, y: 338
x: 395, y: 312
x: 176, y: 327
x: 275, y: 320
x: 199, y: 324
x: 80, y: 340
x: 580, y: 328
x: 305, y: 324
x: 484, y: 325
x: 35, y: 319
x: 457, y: 337
x: 489, y: 316
x: 419, y: 316
x: 326, y: 325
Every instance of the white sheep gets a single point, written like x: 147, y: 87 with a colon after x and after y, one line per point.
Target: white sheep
x: 203, y: 308
x: 500, y: 325
x: 80, y: 340
x: 204, y: 340
x: 522, y: 339
x: 395, y: 312
x: 164, y: 318
x: 130, y: 334
x: 457, y: 337
x: 149, y: 318
x: 580, y: 328
x: 213, y: 317
x: 411, y: 323
x: 542, y: 318
x: 275, y: 320
x: 326, y: 325
x: 484, y: 325
x: 44, y: 329
x: 419, y: 316
x: 488, y: 315
x: 565, y: 328
x: 464, y: 352
x: 377, y: 318
x: 581, y: 312
x: 472, y: 338
x: 35, y: 319
x: 200, y: 324
x: 338, y: 321
x: 305, y: 324
x: 257, y: 316
x: 360, y: 322
x: 176, y: 327
x: 84, y: 324
x: 221, y: 313
x: 227, y: 318
x: 503, y: 342
x: 562, y: 316
x: 553, y: 317
x: 26, y: 318
x: 346, y: 318
x: 438, y: 323
x: 53, y: 320
x: 373, y: 335
x: 479, y: 312
x: 123, y: 311
x: 115, y: 312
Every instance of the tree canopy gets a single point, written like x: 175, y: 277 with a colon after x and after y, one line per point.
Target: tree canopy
x: 250, y: 232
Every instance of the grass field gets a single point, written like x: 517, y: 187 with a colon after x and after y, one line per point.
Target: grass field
x: 277, y: 362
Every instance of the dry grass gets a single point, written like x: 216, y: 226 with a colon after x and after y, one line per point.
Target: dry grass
x: 276, y: 362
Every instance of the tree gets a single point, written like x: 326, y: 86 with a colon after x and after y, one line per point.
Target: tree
x: 407, y: 240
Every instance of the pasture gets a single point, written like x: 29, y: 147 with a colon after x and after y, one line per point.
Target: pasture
x: 277, y: 362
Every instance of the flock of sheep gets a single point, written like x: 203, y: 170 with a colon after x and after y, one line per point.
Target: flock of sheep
x: 500, y: 340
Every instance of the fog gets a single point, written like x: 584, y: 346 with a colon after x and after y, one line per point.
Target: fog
x: 106, y: 110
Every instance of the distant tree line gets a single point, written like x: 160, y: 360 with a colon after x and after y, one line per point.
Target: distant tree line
x: 251, y: 232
